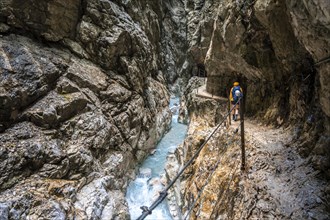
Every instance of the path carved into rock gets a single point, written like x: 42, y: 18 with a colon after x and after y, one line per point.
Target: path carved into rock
x: 278, y: 183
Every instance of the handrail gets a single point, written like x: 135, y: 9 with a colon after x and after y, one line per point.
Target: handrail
x: 148, y: 211
x: 208, y: 179
x: 323, y: 60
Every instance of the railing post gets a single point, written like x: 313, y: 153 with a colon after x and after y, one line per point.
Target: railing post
x: 241, y: 107
x: 229, y: 107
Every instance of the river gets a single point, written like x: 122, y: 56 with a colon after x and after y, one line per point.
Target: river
x: 145, y: 188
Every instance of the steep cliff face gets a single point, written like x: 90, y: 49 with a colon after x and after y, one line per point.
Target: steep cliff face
x: 277, y: 183
x: 278, y: 51
x: 267, y: 45
x: 84, y: 89
x: 83, y: 99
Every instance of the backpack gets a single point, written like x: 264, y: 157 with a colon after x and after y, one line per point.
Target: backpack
x: 236, y: 93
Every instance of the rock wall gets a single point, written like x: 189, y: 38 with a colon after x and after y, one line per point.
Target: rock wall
x: 277, y: 182
x: 278, y: 51
x: 267, y: 46
x: 84, y: 88
x: 83, y: 99
x: 204, y: 114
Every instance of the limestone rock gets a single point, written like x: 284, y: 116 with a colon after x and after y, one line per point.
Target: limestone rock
x: 25, y: 149
x: 87, y: 76
x: 4, y: 28
x: 84, y: 94
x: 310, y: 21
x: 27, y: 75
x: 55, y: 108
x: 77, y: 115
x: 94, y: 201
x: 52, y: 20
x: 277, y: 50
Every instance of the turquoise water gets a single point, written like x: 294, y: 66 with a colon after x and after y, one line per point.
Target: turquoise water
x: 143, y: 191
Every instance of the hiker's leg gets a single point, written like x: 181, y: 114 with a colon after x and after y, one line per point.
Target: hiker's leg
x: 236, y: 111
x: 233, y: 109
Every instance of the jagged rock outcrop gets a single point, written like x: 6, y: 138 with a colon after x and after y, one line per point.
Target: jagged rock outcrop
x: 84, y: 89
x: 278, y: 183
x: 83, y: 99
x: 43, y: 18
x: 278, y: 51
x: 204, y: 114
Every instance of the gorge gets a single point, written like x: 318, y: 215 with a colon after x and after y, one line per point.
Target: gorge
x: 85, y: 87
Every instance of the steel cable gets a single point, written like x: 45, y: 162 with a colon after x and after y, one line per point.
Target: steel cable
x: 210, y: 175
x: 147, y: 211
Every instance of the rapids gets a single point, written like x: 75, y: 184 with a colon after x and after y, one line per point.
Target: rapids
x: 144, y: 190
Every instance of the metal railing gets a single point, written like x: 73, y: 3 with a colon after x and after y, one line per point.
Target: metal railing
x: 148, y: 210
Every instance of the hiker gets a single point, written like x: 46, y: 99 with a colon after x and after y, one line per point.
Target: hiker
x: 236, y: 93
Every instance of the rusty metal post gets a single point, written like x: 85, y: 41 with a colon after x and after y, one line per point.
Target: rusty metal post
x: 229, y: 107
x: 241, y: 105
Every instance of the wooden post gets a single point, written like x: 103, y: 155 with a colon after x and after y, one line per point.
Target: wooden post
x: 241, y: 105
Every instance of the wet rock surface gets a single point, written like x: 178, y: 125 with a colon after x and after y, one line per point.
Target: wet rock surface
x: 83, y: 99
x: 270, y: 47
x: 276, y: 51
x: 68, y: 120
x: 47, y: 18
x: 282, y: 178
x: 278, y: 183
x: 203, y: 114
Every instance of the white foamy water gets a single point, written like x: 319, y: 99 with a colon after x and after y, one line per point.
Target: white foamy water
x: 144, y: 190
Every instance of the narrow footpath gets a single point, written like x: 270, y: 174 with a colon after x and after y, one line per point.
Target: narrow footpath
x: 278, y: 183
